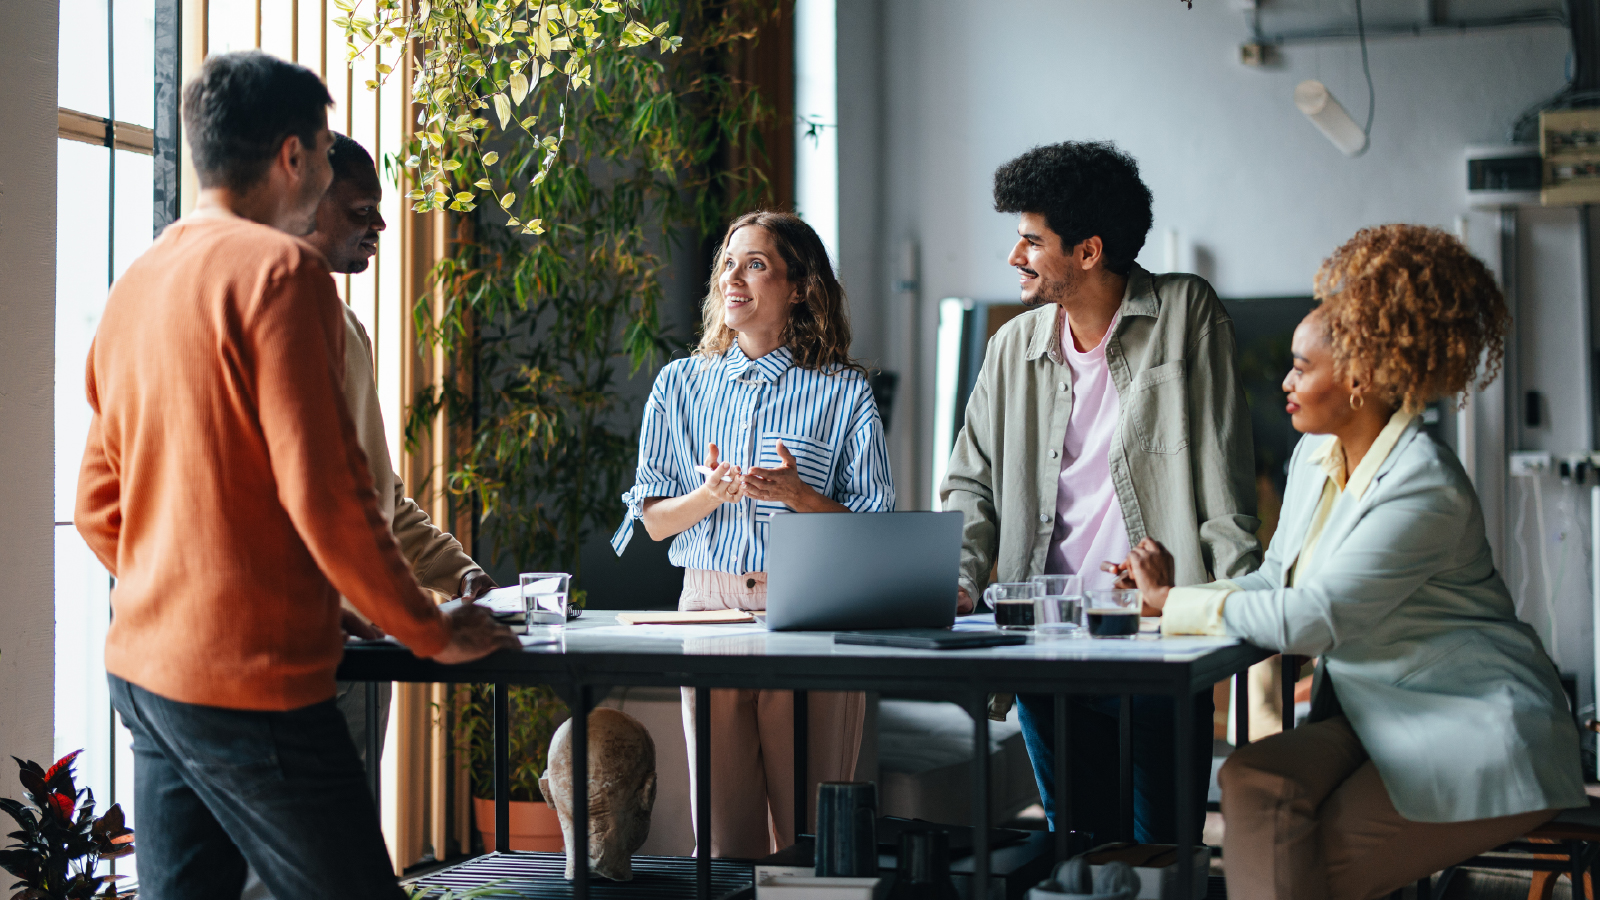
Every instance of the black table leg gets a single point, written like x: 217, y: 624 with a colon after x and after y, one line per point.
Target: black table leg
x: 1241, y: 708
x: 802, y: 756
x: 374, y: 744
x: 502, y: 767
x: 1063, y: 777
x: 980, y: 796
x: 1183, y: 752
x: 702, y: 792
x: 1125, y: 764
x: 1291, y: 671
x: 580, y: 791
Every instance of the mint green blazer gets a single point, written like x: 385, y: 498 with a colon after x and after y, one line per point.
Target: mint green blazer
x: 1453, y: 698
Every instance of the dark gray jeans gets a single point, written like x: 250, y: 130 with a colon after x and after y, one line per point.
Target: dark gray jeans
x: 285, y: 791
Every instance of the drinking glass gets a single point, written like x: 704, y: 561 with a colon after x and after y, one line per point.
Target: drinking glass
x: 1112, y: 613
x: 544, y: 602
x: 1058, y: 610
x: 1012, y: 603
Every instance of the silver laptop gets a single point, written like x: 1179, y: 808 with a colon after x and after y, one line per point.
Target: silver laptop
x: 846, y: 571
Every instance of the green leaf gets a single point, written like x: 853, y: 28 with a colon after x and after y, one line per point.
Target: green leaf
x: 519, y: 89
x: 502, y: 108
x: 542, y: 34
x: 450, y: 165
x: 491, y: 158
x: 464, y: 196
x: 482, y: 184
x: 507, y: 200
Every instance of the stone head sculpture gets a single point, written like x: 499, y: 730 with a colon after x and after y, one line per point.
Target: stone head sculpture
x: 622, y: 790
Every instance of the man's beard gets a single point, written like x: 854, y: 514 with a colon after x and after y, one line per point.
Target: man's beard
x: 1049, y: 292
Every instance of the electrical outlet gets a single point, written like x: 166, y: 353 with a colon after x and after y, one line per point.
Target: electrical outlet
x: 1524, y: 465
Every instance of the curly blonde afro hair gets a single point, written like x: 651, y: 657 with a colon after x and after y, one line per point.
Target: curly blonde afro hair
x: 1412, y: 315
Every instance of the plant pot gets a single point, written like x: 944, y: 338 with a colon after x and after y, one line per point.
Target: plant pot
x: 534, y: 825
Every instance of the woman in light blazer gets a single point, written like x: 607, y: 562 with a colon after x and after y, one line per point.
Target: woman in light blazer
x: 1439, y: 728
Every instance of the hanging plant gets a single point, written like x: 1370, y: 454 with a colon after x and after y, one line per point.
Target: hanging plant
x: 547, y: 327
x: 483, y: 56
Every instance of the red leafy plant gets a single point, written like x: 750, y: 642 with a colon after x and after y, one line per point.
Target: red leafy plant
x: 60, y: 843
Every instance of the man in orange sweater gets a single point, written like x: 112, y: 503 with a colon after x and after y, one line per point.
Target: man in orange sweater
x: 224, y: 486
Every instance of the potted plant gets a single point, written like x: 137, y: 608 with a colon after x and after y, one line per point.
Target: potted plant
x: 539, y: 324
x: 536, y: 712
x: 602, y: 139
x: 59, y: 843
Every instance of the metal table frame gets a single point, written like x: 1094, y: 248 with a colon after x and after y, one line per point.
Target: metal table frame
x: 579, y: 676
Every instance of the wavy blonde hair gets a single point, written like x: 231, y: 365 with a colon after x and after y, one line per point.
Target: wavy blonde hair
x: 1412, y: 314
x: 818, y: 330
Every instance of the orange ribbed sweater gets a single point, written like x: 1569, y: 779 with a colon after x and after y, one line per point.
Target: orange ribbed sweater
x: 223, y: 484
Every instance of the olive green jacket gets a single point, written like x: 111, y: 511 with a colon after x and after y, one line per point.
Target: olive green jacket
x: 1181, y: 460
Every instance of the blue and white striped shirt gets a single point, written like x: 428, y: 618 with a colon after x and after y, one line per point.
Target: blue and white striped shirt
x: 828, y: 421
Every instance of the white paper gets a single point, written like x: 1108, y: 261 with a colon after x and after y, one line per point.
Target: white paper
x: 675, y: 632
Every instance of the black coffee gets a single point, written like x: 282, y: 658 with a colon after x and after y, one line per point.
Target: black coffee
x: 1013, y: 613
x: 1112, y: 622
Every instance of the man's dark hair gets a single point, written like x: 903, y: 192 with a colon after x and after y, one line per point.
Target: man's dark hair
x: 1082, y: 189
x: 349, y: 159
x: 241, y: 108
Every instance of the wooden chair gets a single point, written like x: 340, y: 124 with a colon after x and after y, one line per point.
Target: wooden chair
x: 1567, y: 845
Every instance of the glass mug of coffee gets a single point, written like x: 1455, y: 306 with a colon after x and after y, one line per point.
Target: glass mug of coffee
x: 1058, y: 609
x: 1012, y: 603
x: 1112, y: 613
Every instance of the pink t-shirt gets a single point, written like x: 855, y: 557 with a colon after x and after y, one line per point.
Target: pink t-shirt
x: 1089, y: 528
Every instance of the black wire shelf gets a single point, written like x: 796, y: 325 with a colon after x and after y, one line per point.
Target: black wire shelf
x: 541, y: 875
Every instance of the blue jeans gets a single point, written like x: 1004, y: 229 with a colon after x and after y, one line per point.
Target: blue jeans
x: 214, y: 788
x: 1094, y: 763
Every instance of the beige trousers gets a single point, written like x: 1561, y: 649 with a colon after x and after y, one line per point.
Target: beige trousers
x: 752, y: 739
x: 1306, y: 817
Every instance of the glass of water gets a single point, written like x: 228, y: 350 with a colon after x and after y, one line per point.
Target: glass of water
x: 544, y: 602
x: 1012, y: 603
x: 1058, y: 610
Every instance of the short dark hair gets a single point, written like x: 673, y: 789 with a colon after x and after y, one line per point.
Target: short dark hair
x: 241, y: 107
x: 349, y: 159
x: 1083, y: 189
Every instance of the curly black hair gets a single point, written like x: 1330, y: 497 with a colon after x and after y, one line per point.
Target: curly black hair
x: 1083, y: 189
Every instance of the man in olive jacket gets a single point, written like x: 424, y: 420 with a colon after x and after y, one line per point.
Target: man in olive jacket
x: 1111, y: 412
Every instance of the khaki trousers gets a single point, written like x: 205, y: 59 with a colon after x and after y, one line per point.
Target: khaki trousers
x: 752, y: 739
x: 1307, y: 817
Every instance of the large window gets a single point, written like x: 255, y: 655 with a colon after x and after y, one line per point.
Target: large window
x: 108, y: 176
x: 103, y: 201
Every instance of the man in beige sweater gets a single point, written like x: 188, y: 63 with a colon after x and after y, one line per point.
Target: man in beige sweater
x: 347, y: 228
x: 348, y: 224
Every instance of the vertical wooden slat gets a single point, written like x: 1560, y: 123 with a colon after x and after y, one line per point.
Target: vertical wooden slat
x: 294, y: 30
x: 322, y: 41
x: 258, y: 24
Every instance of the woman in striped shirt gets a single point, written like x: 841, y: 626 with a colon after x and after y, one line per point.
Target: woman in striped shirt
x: 786, y: 422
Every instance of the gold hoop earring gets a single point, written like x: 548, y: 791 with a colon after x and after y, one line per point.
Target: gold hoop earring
x: 1356, y: 400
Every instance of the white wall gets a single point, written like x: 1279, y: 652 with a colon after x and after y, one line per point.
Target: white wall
x: 27, y: 382
x: 1257, y: 195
